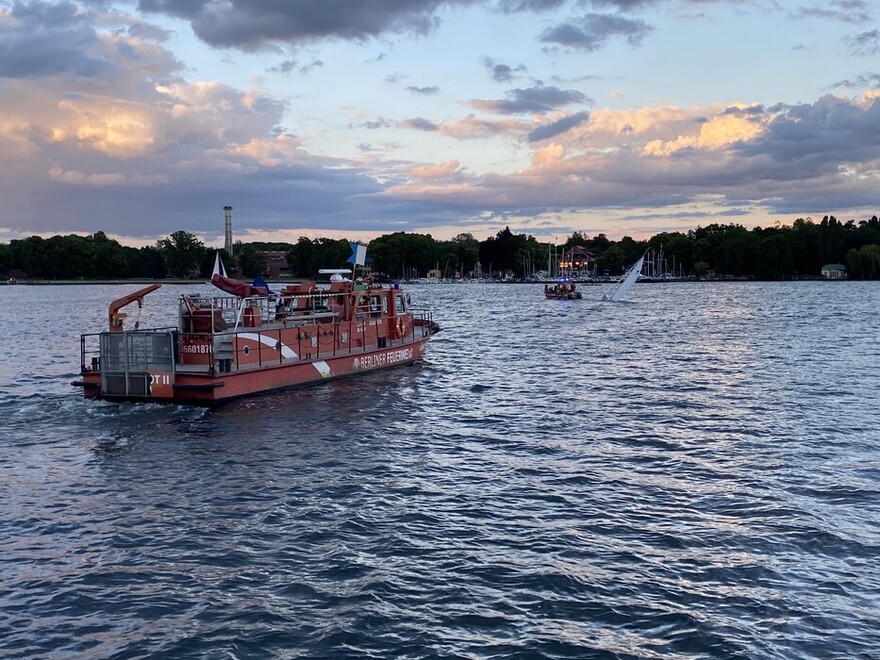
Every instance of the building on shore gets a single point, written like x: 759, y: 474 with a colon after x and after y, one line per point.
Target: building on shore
x: 834, y: 272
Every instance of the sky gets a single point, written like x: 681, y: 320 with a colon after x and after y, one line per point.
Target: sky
x: 357, y: 118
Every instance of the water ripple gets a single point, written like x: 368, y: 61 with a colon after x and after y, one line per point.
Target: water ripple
x: 692, y: 474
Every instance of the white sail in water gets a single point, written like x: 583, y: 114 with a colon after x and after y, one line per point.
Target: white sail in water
x: 219, y: 268
x: 625, y: 283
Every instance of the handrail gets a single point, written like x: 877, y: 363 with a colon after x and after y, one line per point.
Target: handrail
x: 361, y: 335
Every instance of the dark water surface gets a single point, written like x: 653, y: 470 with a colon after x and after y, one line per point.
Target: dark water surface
x: 693, y: 473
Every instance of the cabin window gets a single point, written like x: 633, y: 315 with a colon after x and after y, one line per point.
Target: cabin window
x: 399, y: 305
x: 361, y: 306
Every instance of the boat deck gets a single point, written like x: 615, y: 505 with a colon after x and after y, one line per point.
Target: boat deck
x: 151, y: 349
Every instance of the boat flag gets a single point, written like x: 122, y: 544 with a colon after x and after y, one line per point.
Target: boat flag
x: 259, y: 283
x: 358, y: 254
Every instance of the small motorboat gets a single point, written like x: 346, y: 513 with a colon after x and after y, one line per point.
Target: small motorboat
x: 564, y: 290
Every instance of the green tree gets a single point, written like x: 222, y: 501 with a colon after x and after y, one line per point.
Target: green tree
x: 251, y: 263
x: 334, y: 253
x: 726, y: 249
x: 458, y: 255
x: 110, y: 258
x: 403, y: 255
x: 853, y: 265
x: 145, y: 262
x: 30, y: 256
x: 307, y: 256
x: 598, y: 244
x: 611, y: 261
x: 503, y: 252
x: 632, y: 249
x: 805, y: 248
x: 869, y: 232
x: 70, y: 257
x: 467, y: 248
x: 831, y: 240
x: 869, y: 262
x: 677, y: 249
x: 447, y: 258
x: 5, y: 259
x: 301, y: 258
x: 183, y: 253
x: 774, y: 258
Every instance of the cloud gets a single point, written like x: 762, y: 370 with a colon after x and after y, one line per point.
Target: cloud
x: 146, y: 31
x: 291, y: 66
x: 143, y: 150
x: 845, y: 11
x: 865, y: 43
x: 625, y: 5
x: 104, y: 180
x: 721, y: 131
x: 374, y: 124
x: 559, y: 126
x: 820, y: 137
x: 593, y: 31
x: 862, y: 81
x: 478, y: 128
x: 139, y: 150
x: 512, y: 6
x: 420, y: 124
x: 784, y: 159
x: 534, y: 99
x: 53, y: 41
x: 255, y: 25
x: 43, y: 39
x: 549, y: 157
x: 502, y: 72
x: 424, y: 91
x: 434, y: 172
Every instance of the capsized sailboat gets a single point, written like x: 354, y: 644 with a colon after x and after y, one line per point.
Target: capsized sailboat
x: 625, y: 283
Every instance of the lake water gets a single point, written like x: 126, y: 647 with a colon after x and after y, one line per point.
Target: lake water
x: 692, y: 473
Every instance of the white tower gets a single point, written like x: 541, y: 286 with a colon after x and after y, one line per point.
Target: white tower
x: 227, y: 244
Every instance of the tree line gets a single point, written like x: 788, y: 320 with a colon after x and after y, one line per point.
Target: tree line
x: 715, y: 251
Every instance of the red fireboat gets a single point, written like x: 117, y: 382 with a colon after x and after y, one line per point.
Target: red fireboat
x: 253, y: 341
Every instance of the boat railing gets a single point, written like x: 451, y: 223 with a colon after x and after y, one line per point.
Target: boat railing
x: 163, y: 349
x: 149, y: 348
x: 319, y: 340
x: 259, y: 311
